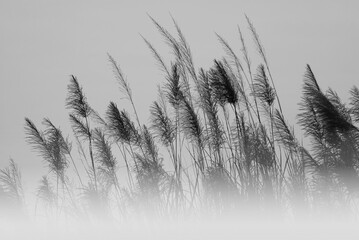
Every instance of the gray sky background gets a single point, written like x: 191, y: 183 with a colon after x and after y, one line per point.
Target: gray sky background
x: 43, y: 42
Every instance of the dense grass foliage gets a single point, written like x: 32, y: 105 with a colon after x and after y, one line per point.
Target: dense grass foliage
x: 217, y: 142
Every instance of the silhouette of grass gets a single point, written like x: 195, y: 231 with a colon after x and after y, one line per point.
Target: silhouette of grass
x: 217, y: 142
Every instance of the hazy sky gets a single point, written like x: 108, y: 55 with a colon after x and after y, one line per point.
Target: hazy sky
x: 43, y: 42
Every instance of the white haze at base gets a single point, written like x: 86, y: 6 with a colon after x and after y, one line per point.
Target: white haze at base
x: 227, y: 230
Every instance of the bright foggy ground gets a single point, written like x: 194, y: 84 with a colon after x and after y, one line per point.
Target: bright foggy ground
x: 43, y: 42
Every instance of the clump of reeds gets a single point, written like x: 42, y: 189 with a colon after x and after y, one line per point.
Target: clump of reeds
x: 12, y: 199
x: 221, y: 133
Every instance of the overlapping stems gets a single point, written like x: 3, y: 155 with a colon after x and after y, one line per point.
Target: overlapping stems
x: 227, y: 143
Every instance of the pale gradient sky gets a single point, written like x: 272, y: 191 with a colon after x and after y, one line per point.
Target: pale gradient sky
x: 43, y: 42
